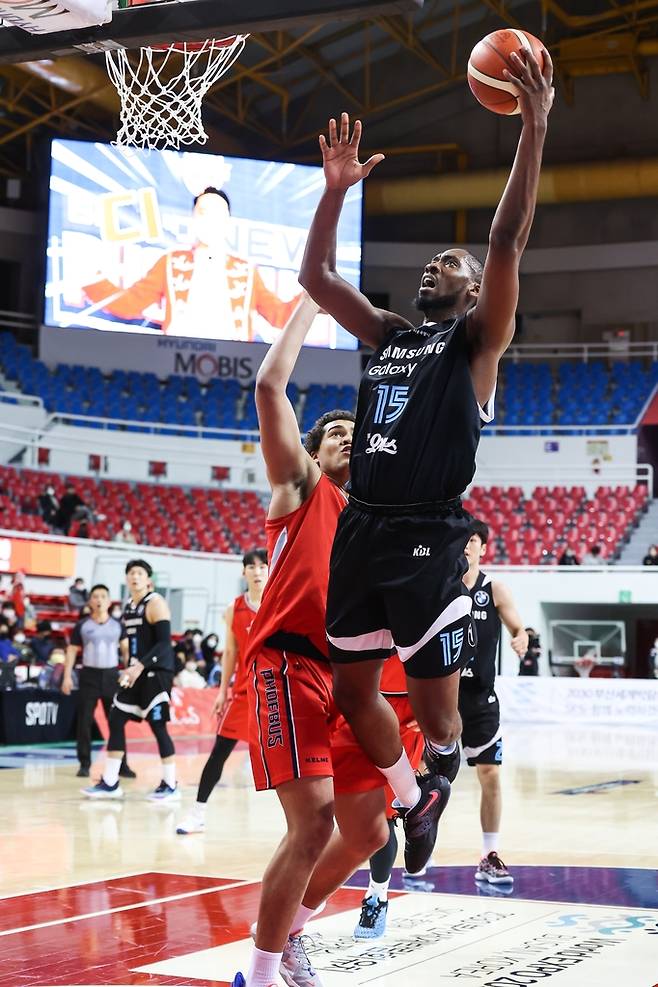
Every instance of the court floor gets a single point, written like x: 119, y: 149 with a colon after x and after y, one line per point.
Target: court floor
x: 106, y: 893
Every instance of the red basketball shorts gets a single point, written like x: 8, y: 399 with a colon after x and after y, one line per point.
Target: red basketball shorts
x: 290, y: 718
x: 354, y: 772
x: 234, y: 721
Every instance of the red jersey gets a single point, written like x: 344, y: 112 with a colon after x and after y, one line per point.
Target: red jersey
x: 295, y: 597
x: 394, y: 679
x: 243, y: 617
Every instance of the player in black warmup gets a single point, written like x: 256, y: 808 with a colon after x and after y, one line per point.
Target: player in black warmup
x: 398, y: 558
x: 144, y: 687
x: 482, y: 740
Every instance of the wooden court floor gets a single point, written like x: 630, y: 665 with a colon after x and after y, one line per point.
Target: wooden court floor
x: 107, y: 893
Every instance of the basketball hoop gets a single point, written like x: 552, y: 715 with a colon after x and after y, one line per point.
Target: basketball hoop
x: 584, y: 665
x: 162, y: 93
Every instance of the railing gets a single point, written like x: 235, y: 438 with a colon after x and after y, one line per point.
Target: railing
x: 582, y: 351
x: 156, y: 428
x: 25, y: 400
x: 17, y: 320
x: 530, y: 476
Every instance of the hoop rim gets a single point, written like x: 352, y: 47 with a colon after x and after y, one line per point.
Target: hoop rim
x: 191, y: 47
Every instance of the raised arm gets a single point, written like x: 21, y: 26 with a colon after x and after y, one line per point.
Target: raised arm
x: 510, y: 616
x: 342, y: 169
x: 491, y: 322
x: 292, y: 473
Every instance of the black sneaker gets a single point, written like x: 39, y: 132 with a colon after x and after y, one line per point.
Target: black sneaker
x: 421, y: 823
x: 443, y: 764
x: 126, y: 772
x: 83, y: 771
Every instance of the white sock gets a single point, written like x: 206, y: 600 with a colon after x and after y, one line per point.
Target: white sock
x: 302, y: 915
x: 169, y: 774
x: 437, y: 749
x: 489, y: 843
x: 402, y: 780
x: 199, y: 809
x: 111, y: 771
x: 264, y: 968
x: 378, y: 890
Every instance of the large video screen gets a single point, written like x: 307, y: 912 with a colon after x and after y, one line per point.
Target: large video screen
x: 129, y: 249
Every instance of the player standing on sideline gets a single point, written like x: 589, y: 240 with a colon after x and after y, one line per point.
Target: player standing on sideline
x: 97, y: 636
x: 234, y: 712
x: 422, y: 401
x: 482, y: 741
x: 145, y: 685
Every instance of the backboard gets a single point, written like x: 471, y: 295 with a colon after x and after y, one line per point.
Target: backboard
x: 150, y: 22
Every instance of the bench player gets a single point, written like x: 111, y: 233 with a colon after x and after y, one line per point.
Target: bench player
x: 233, y: 712
x: 423, y: 398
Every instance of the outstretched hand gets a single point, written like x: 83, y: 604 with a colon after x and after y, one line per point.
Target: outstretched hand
x: 536, y: 92
x: 340, y: 155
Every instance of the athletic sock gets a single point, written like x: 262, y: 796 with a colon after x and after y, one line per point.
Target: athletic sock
x: 169, y: 774
x: 402, y: 780
x: 111, y: 771
x: 199, y: 809
x: 378, y: 890
x: 302, y: 915
x: 264, y: 968
x: 438, y: 749
x: 489, y: 843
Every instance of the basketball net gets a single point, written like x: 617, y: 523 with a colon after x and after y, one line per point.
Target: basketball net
x: 162, y: 90
x: 584, y: 666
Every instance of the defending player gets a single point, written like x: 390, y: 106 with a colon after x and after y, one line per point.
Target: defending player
x: 145, y: 686
x: 482, y: 740
x: 233, y: 713
x: 423, y: 398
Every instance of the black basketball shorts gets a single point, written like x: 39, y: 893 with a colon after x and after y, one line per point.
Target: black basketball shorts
x: 395, y: 584
x: 482, y: 740
x: 148, y: 698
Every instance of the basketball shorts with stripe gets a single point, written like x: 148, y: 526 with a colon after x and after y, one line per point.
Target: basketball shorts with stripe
x: 354, y: 772
x: 148, y: 699
x: 396, y: 582
x: 482, y: 740
x: 291, y: 713
x: 234, y: 721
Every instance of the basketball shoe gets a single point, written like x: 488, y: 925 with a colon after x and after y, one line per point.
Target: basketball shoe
x: 421, y: 823
x: 163, y: 793
x: 296, y: 968
x: 492, y: 869
x: 372, y: 921
x: 191, y: 823
x: 443, y: 764
x: 101, y: 790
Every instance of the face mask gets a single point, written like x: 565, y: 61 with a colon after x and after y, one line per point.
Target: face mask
x: 190, y: 666
x: 196, y: 640
x: 115, y: 612
x: 19, y: 638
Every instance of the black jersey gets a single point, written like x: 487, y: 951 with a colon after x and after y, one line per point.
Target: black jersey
x: 480, y: 673
x: 417, y: 420
x: 141, y: 635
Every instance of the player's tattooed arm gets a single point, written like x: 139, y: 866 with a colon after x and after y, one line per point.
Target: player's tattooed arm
x: 504, y: 603
x: 349, y: 307
x: 291, y: 472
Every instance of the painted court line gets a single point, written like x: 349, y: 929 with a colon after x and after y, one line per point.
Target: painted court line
x: 124, y: 908
x: 78, y: 884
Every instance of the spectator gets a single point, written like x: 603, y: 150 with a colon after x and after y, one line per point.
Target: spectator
x: 22, y: 646
x: 52, y: 673
x: 209, y: 652
x: 70, y: 503
x: 594, y: 556
x: 18, y: 597
x: 189, y: 677
x: 8, y: 652
x: 529, y: 664
x: 651, y: 558
x: 48, y: 505
x: 653, y: 660
x: 125, y: 534
x: 78, y: 595
x: 30, y: 614
x: 8, y: 614
x: 116, y: 611
x: 42, y: 642
x: 568, y: 557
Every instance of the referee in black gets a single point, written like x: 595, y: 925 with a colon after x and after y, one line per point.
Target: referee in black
x: 97, y: 636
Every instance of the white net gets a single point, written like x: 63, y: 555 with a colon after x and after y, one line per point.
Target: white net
x: 162, y: 90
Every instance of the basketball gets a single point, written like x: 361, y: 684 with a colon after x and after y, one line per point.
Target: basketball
x: 487, y: 62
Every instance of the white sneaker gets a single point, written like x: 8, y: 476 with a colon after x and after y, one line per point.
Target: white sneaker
x: 103, y: 791
x: 191, y: 823
x: 163, y: 793
x: 296, y: 968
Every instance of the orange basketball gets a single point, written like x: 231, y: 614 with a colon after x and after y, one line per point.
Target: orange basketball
x: 485, y: 68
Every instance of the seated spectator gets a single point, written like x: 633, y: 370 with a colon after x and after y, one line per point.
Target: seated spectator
x: 8, y: 614
x: 51, y: 675
x: 42, y: 643
x: 209, y: 652
x: 189, y: 677
x: 30, y: 614
x: 78, y: 595
x: 68, y: 505
x: 594, y: 556
x: 568, y: 557
x: 8, y: 651
x: 651, y: 558
x: 116, y: 611
x: 23, y: 647
x: 125, y: 534
x: 48, y: 505
x: 18, y: 597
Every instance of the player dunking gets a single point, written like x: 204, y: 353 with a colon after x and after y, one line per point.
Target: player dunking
x: 233, y: 713
x: 145, y: 685
x: 482, y: 740
x: 398, y: 558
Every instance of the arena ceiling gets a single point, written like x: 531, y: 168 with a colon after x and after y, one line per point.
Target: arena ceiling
x: 402, y: 73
